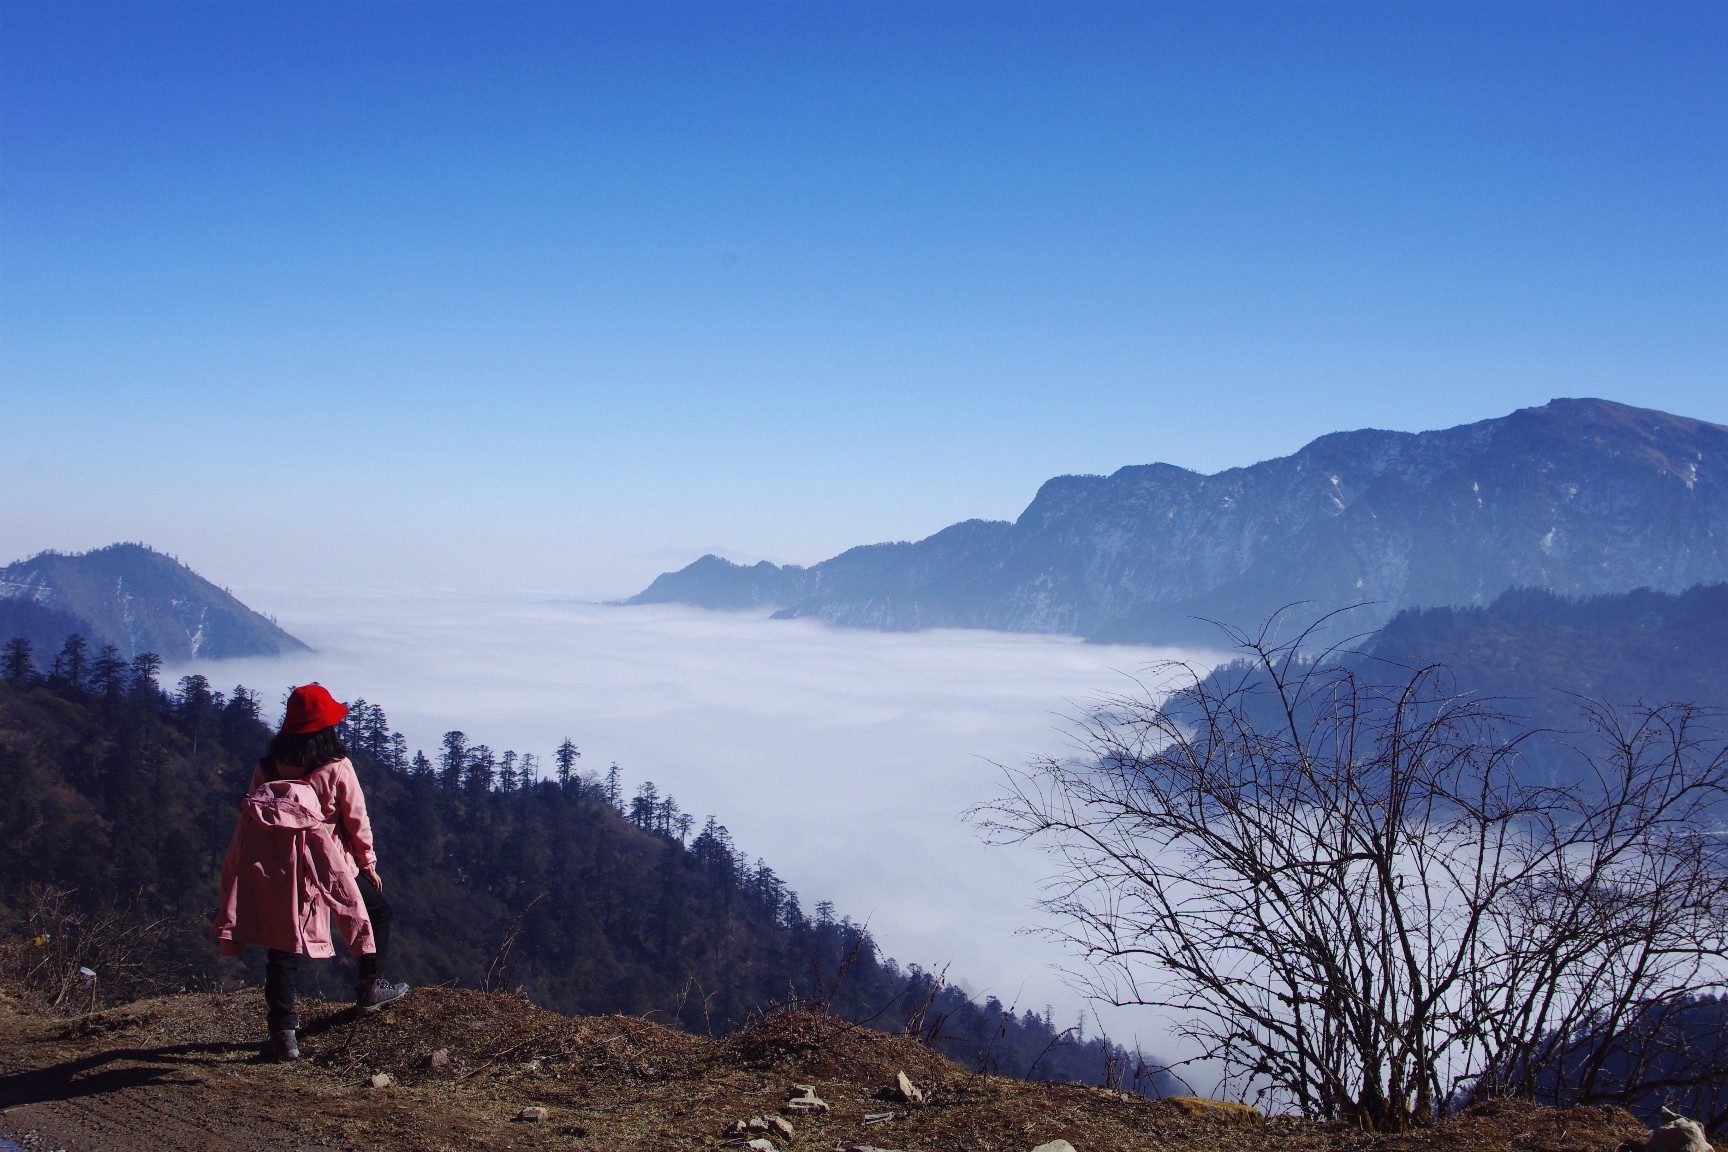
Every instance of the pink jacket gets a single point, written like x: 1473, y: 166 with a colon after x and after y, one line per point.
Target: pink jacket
x: 285, y: 874
x: 341, y: 801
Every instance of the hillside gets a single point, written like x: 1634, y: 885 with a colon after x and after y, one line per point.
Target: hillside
x: 1539, y: 651
x: 136, y: 599
x: 453, y: 1069
x: 1539, y: 658
x: 1582, y: 497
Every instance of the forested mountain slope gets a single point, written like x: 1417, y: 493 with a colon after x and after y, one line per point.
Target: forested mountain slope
x: 1542, y: 661
x: 1579, y: 496
x: 124, y: 794
x: 136, y: 599
x: 1538, y: 651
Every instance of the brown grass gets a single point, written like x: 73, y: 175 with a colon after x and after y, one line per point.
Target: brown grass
x: 617, y: 1082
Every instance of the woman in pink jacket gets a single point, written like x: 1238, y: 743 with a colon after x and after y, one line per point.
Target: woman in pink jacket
x: 303, y: 853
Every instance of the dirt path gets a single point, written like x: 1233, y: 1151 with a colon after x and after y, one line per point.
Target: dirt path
x: 132, y: 1099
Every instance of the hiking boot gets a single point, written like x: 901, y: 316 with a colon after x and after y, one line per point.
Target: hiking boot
x: 284, y: 1045
x: 371, y: 995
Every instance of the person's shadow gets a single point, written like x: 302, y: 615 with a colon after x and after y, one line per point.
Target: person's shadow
x: 87, y: 1076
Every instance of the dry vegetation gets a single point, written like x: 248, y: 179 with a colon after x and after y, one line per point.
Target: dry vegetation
x: 185, y: 1072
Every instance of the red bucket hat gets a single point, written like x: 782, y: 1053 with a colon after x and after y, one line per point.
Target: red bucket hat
x: 310, y: 708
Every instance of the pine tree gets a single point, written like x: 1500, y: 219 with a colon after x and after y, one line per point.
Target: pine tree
x: 713, y: 851
x: 194, y: 695
x: 481, y: 766
x: 452, y: 760
x: 507, y: 771
x: 108, y: 671
x: 73, y: 663
x: 144, y: 668
x: 567, y: 755
x: 645, y: 808
x: 614, y: 791
x: 17, y: 664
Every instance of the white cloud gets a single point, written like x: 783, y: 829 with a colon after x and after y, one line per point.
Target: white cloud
x: 842, y: 757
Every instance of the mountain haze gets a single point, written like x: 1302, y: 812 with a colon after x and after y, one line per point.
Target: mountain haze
x: 137, y: 599
x: 1583, y: 497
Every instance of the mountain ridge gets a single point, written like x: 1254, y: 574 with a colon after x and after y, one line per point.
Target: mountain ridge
x: 139, y: 600
x: 1583, y: 496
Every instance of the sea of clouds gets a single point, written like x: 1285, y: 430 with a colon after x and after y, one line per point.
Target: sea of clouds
x: 844, y: 758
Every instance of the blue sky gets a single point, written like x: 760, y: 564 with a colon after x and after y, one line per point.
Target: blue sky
x: 537, y: 295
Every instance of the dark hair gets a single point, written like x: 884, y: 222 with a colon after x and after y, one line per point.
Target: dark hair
x: 307, y: 750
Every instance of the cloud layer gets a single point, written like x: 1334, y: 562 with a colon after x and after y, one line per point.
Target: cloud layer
x: 844, y: 758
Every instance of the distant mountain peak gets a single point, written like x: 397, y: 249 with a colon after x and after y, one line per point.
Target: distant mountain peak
x: 139, y: 600
x: 1580, y: 495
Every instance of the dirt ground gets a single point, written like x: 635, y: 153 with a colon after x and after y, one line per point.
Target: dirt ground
x: 186, y: 1073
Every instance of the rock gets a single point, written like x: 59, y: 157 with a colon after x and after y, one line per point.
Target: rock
x: 439, y: 1058
x: 803, y: 1099
x: 1225, y: 1110
x: 761, y: 1145
x: 908, y: 1091
x: 770, y: 1124
x: 1678, y: 1135
x: 532, y: 1114
x: 878, y: 1117
x: 1055, y: 1146
x: 381, y: 1080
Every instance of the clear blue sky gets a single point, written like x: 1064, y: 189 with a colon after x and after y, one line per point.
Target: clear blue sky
x: 526, y: 292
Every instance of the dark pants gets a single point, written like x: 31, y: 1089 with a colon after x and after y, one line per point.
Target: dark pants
x: 281, y: 968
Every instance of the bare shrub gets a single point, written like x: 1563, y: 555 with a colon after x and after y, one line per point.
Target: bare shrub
x: 59, y: 943
x: 1346, y: 892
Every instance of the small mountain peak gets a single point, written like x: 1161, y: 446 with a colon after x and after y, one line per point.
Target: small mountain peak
x: 138, y: 599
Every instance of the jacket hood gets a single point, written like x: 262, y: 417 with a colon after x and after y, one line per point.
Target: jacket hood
x: 288, y: 804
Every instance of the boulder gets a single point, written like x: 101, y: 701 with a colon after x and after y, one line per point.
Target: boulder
x: 439, y: 1058
x: 381, y: 1080
x: 761, y: 1145
x: 1678, y: 1135
x: 780, y: 1126
x: 1055, y: 1146
x: 533, y: 1114
x: 906, y: 1090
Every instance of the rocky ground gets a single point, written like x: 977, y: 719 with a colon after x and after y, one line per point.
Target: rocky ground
x: 452, y: 1070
